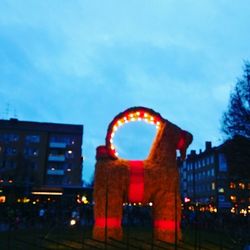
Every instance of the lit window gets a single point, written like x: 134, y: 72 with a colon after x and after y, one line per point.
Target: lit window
x: 232, y: 185
x: 2, y: 199
x: 221, y: 190
x: 213, y: 185
x: 212, y: 172
x: 241, y: 185
x: 233, y: 198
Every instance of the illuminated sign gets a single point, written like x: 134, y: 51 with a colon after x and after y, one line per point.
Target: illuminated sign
x: 47, y: 193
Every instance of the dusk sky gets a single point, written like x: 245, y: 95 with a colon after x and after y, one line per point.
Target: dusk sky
x: 83, y: 62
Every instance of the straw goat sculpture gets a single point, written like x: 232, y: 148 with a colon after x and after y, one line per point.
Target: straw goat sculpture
x: 155, y: 179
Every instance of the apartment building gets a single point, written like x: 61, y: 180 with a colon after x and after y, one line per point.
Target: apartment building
x: 206, y: 181
x: 35, y: 155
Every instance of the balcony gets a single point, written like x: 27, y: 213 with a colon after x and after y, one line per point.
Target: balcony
x: 57, y: 145
x: 55, y: 172
x: 56, y: 158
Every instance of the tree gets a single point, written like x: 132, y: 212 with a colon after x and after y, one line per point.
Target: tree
x: 237, y: 151
x: 236, y: 126
x: 236, y: 120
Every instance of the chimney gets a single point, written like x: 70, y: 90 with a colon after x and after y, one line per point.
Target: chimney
x: 208, y: 145
x: 193, y: 152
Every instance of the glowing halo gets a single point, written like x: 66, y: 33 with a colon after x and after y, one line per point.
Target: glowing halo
x: 130, y: 115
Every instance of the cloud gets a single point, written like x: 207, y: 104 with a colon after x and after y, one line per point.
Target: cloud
x: 85, y: 61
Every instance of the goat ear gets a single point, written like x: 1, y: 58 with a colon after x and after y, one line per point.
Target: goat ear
x: 184, y: 141
x: 103, y: 153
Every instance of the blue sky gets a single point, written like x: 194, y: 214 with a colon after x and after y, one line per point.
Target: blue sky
x: 83, y: 62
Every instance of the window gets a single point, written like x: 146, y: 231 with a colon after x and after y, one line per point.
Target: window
x: 211, y: 159
x: 32, y: 138
x: 68, y: 139
x: 10, y: 164
x: 212, y: 172
x: 9, y: 137
x: 233, y: 198
x: 241, y: 185
x: 66, y: 180
x: 191, y: 166
x: 222, y: 163
x: 221, y: 198
x: 203, y: 162
x: 57, y: 152
x: 207, y: 160
x: 199, y: 176
x: 10, y: 151
x: 31, y: 151
x: 213, y: 185
x: 59, y: 166
x: 232, y: 185
x: 54, y: 179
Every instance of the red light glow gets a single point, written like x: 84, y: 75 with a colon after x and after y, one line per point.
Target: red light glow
x: 111, y: 222
x: 165, y: 224
x: 136, y: 183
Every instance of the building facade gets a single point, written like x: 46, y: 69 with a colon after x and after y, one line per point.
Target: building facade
x: 35, y: 155
x: 206, y: 182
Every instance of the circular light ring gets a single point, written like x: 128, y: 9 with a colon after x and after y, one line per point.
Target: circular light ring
x: 130, y: 115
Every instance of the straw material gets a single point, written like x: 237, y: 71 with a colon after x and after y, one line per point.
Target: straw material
x: 161, y: 186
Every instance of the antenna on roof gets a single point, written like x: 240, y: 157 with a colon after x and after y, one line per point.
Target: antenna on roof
x: 15, y: 113
x: 7, y: 110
